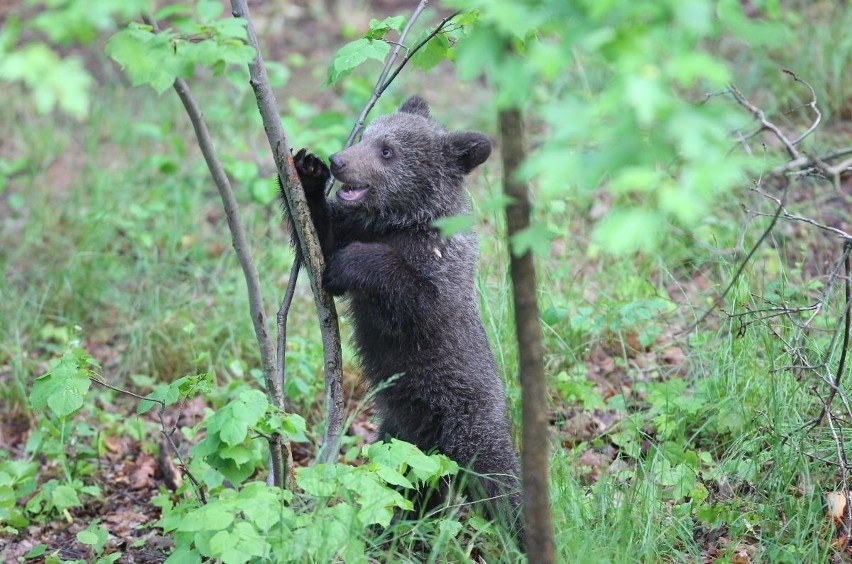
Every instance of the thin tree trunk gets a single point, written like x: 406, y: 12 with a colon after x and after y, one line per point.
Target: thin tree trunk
x: 297, y: 204
x: 280, y: 454
x: 534, y: 455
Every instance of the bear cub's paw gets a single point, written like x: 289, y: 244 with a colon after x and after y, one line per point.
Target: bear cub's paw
x: 313, y: 173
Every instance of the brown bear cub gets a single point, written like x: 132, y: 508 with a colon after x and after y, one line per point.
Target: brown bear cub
x: 412, y: 297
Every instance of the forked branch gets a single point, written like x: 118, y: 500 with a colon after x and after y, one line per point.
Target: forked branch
x: 279, y: 451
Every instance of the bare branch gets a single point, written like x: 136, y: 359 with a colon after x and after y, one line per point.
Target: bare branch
x: 765, y: 123
x: 199, y: 490
x: 793, y: 217
x: 309, y: 244
x: 243, y: 252
x: 717, y: 302
x: 807, y: 161
x: 812, y: 104
x: 844, y: 348
x: 384, y: 80
x: 391, y: 59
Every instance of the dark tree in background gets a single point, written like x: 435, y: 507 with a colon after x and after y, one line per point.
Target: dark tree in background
x: 534, y: 455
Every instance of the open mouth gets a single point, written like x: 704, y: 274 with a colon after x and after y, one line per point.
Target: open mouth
x: 350, y: 193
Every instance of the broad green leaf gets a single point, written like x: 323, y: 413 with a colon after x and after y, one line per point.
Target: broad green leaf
x: 87, y: 537
x: 320, y: 479
x: 694, y: 15
x: 64, y: 496
x: 164, y: 392
x: 637, y: 179
x: 453, y: 225
x: 391, y: 476
x: 239, y: 453
x: 215, y: 516
x: 54, y: 82
x: 688, y: 67
x: 626, y: 231
x: 147, y: 58
x: 167, y: 12
x: 63, y: 388
x: 209, y: 10
x: 353, y: 54
x: 754, y: 32
x: 647, y: 95
x: 221, y: 542
x: 234, y: 419
x: 184, y: 555
x: 450, y: 527
x: 263, y: 191
x: 535, y: 238
x: 378, y: 29
x: 435, y: 51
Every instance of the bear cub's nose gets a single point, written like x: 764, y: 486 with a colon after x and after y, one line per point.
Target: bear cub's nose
x: 337, y: 163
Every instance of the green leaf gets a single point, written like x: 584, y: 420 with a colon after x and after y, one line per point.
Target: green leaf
x: 353, y: 54
x: 215, y: 516
x: 209, y: 10
x: 63, y: 388
x: 234, y: 419
x: 535, y: 238
x: 36, y: 551
x: 221, y: 542
x: 647, y: 95
x: 378, y: 29
x: 688, y: 67
x: 453, y: 225
x: 167, y: 12
x: 320, y: 479
x: 263, y: 191
x: 184, y: 555
x: 239, y: 453
x: 449, y: 527
x: 148, y: 58
x: 64, y: 496
x: 53, y: 81
x: 626, y: 231
x: 435, y: 51
x: 754, y: 32
x: 87, y: 537
x: 391, y: 476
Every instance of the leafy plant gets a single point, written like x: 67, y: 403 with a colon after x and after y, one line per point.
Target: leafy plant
x: 330, y: 518
x: 96, y: 536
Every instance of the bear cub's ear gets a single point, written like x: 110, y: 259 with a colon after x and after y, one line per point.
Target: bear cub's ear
x: 468, y: 148
x: 417, y: 106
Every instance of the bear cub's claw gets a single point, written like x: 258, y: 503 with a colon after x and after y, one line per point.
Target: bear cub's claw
x: 313, y: 173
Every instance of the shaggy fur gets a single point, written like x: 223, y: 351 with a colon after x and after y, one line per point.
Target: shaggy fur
x: 411, y: 293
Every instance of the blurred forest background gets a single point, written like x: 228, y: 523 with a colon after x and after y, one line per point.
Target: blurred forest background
x: 684, y: 157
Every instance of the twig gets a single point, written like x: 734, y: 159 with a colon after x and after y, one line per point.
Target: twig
x: 282, y: 320
x: 384, y: 80
x: 743, y: 264
x: 793, y: 217
x: 812, y: 105
x: 765, y: 123
x: 844, y: 348
x: 199, y: 491
x: 415, y: 49
x: 243, y: 252
x: 309, y: 244
x: 391, y: 59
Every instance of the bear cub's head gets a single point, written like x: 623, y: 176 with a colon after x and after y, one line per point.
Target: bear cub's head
x: 408, y: 169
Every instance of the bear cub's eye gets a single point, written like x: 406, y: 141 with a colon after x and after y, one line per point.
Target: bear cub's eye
x: 386, y: 153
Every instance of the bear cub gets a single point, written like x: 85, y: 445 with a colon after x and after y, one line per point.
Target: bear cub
x: 412, y: 294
